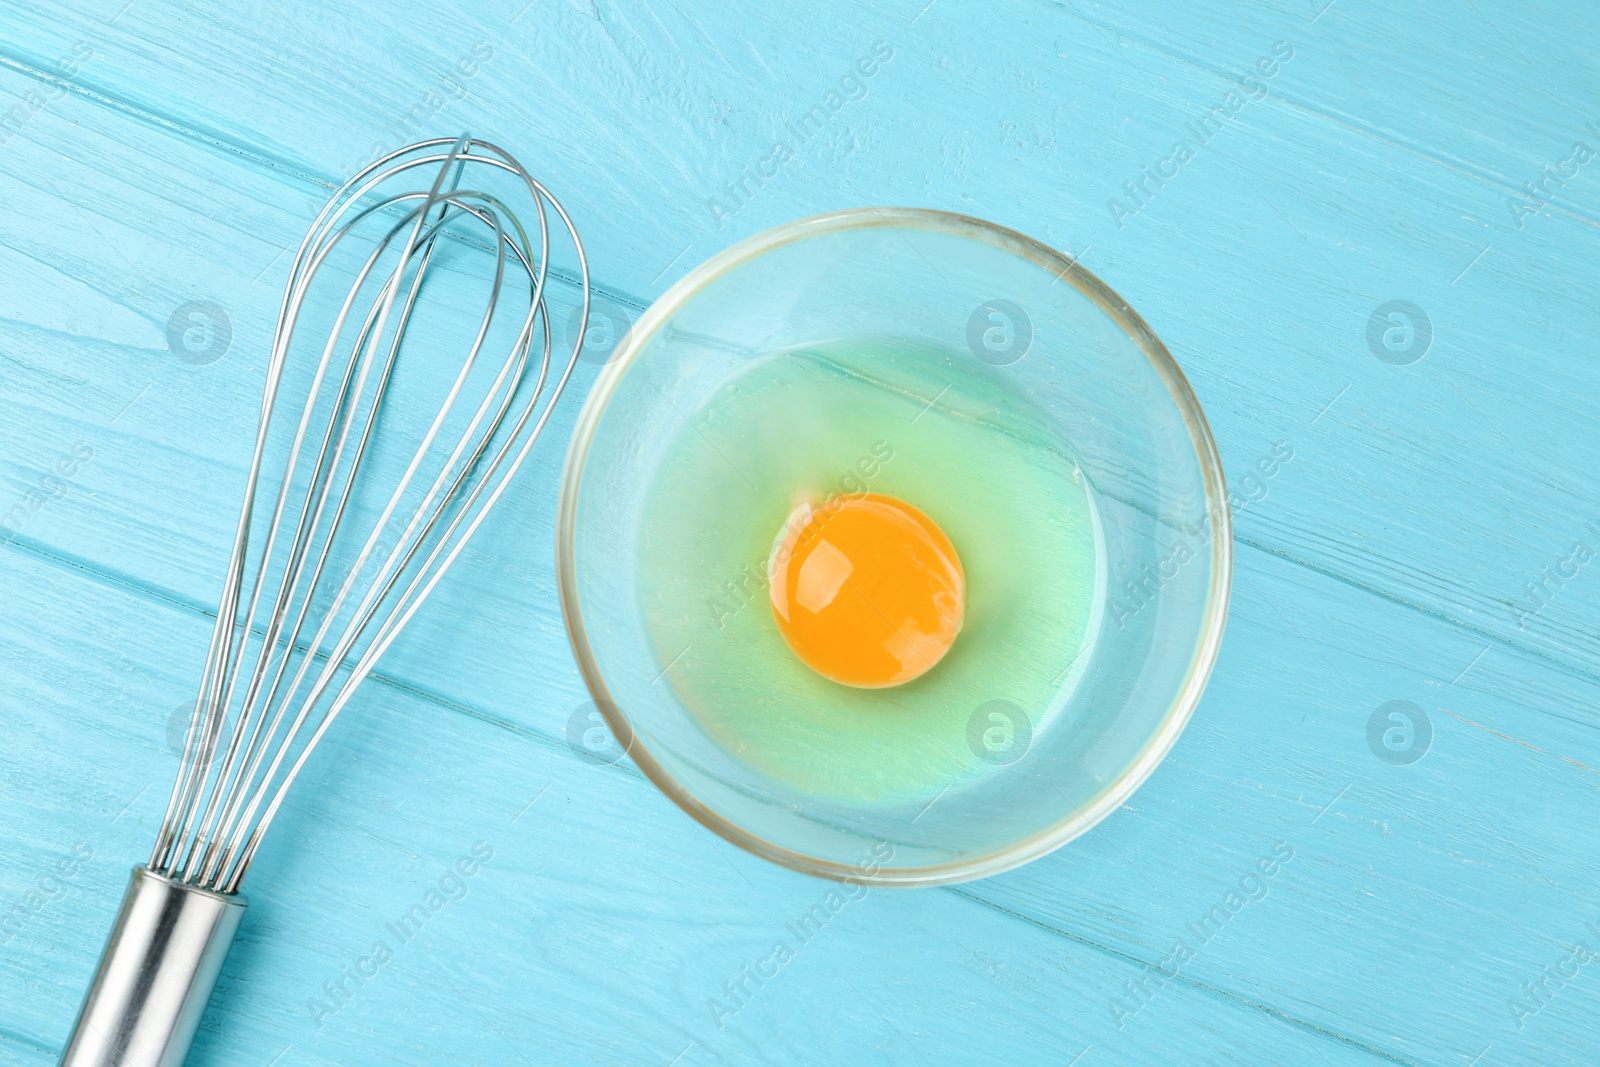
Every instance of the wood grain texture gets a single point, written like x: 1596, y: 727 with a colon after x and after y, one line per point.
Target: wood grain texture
x: 1389, y: 559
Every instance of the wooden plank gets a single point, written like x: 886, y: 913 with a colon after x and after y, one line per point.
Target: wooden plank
x: 1389, y: 559
x: 1488, y: 89
x: 598, y: 930
x: 1379, y: 494
x: 1421, y: 896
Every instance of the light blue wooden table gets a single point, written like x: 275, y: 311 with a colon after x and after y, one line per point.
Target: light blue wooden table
x: 1434, y: 539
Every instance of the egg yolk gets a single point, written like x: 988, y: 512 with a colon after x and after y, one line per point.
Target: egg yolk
x: 867, y: 590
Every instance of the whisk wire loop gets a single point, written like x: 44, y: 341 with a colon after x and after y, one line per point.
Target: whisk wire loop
x: 268, y: 692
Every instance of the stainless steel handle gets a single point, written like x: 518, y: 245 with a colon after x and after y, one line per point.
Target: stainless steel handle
x: 155, y: 976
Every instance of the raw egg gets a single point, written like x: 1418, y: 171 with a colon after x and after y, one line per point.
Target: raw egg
x: 866, y: 590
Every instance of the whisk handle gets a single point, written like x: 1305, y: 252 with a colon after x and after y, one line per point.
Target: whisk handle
x: 155, y: 975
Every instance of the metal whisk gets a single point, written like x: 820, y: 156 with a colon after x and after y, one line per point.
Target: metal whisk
x: 334, y: 558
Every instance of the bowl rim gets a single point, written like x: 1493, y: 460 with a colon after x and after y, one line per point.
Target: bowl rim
x: 1207, y: 643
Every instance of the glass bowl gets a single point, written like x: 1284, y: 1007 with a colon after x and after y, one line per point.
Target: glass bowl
x: 1111, y: 394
